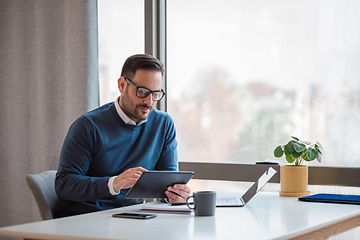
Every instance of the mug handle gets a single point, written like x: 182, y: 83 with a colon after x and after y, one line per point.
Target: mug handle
x: 187, y: 202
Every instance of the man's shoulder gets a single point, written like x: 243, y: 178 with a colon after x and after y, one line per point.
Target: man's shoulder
x: 158, y: 115
x: 95, y: 116
x: 100, y: 114
x: 162, y: 120
x: 100, y: 111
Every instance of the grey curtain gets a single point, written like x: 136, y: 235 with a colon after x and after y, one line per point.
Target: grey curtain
x: 48, y: 76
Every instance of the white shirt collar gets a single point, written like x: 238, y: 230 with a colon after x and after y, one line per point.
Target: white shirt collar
x: 123, y: 116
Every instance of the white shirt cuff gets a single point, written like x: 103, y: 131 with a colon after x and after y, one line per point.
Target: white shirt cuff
x: 111, y: 186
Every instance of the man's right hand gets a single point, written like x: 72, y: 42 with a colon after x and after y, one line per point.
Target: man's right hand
x: 128, y: 178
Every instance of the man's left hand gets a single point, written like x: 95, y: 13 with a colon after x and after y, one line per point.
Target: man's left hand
x: 177, y: 193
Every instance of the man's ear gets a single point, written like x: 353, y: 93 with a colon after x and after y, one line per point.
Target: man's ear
x: 121, y: 84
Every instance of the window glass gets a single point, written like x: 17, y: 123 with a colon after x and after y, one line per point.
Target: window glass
x: 243, y: 76
x: 121, y: 34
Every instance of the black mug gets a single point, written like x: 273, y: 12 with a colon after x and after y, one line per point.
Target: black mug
x: 204, y: 203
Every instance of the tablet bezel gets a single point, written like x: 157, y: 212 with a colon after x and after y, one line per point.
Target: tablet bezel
x: 152, y: 184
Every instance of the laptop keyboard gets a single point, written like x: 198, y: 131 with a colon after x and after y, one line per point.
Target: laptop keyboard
x: 228, y: 201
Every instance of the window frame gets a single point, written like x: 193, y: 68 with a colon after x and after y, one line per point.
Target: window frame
x: 155, y: 44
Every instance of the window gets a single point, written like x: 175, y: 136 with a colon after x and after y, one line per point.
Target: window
x: 121, y: 34
x: 243, y: 76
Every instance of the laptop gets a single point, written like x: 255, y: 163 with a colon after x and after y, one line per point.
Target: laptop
x: 231, y: 201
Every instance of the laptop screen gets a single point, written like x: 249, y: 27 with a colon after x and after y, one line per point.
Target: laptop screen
x: 264, y: 178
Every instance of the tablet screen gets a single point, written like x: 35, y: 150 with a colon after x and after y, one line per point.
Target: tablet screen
x: 152, y: 184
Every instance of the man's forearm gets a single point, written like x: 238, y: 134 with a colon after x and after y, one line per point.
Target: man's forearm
x: 76, y: 187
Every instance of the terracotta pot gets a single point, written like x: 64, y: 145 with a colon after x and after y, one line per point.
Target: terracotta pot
x: 293, y: 181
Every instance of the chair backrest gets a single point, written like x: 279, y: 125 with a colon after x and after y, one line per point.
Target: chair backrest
x: 42, y: 186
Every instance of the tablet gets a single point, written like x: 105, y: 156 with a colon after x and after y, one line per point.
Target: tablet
x: 152, y: 184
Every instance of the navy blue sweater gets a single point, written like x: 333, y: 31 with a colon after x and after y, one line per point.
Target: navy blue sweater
x: 100, y: 145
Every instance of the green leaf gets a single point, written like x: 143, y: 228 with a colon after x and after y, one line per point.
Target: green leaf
x: 318, y: 158
x: 289, y: 158
x: 318, y: 147
x: 289, y: 148
x: 296, y: 151
x: 306, y: 142
x: 295, y: 138
x: 303, y: 156
x: 299, y: 147
x: 278, y: 152
x: 310, y: 154
x: 318, y: 150
x: 296, y: 154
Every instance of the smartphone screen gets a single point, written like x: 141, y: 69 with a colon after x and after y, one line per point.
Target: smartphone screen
x: 134, y: 215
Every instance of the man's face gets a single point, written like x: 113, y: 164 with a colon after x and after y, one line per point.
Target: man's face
x: 134, y: 107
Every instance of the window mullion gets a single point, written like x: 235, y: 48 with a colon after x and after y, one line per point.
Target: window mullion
x: 155, y: 36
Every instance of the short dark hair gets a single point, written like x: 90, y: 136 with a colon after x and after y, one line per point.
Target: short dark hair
x: 141, y: 61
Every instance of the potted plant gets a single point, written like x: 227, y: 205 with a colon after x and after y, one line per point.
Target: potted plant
x: 294, y: 176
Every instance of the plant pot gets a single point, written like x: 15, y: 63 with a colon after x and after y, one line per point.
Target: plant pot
x: 293, y: 181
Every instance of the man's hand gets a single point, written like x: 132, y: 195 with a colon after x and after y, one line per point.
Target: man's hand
x: 128, y: 178
x: 177, y: 193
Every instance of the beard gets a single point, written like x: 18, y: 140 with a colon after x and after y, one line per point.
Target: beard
x: 136, y: 112
x: 142, y: 111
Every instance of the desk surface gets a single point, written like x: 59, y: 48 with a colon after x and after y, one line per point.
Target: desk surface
x: 267, y: 216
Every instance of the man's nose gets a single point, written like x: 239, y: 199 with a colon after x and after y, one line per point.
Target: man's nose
x: 148, y: 100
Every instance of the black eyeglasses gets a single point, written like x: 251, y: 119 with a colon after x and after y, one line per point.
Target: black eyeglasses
x: 143, y: 92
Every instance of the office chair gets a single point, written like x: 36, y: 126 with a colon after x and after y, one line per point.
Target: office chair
x: 42, y: 186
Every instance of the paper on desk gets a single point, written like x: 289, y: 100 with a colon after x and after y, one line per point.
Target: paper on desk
x: 158, y: 206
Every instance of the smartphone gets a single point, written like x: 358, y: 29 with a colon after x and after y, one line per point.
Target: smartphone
x: 134, y: 215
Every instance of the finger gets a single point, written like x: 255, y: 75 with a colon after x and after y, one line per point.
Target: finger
x: 134, y: 172
x: 141, y: 169
x: 135, y: 178
x: 174, y: 198
x: 131, y: 176
x: 183, y: 192
x: 139, y: 172
x: 177, y: 192
x: 182, y: 187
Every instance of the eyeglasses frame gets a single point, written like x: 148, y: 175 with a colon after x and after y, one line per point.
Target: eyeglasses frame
x: 149, y: 91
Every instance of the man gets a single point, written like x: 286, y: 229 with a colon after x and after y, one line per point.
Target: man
x: 106, y: 150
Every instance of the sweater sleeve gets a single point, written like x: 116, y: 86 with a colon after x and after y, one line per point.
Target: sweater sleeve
x: 72, y: 182
x: 168, y: 157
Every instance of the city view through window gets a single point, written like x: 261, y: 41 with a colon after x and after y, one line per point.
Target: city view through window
x: 246, y: 75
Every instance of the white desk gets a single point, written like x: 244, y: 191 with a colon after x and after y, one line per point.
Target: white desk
x: 267, y: 216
